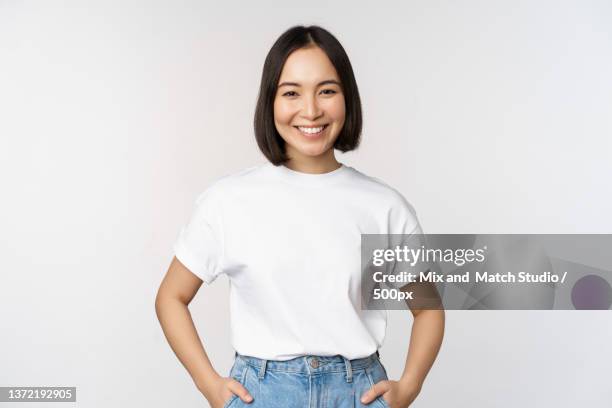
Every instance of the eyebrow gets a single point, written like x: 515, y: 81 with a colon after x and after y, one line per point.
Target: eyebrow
x: 327, y: 81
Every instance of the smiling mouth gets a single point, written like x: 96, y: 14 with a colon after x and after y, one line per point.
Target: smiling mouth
x: 310, y: 131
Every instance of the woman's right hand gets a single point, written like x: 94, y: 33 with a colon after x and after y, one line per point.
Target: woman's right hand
x: 223, y: 388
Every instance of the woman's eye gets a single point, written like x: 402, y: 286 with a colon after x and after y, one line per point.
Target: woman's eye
x: 324, y: 91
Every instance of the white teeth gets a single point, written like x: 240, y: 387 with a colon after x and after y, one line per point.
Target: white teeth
x: 311, y: 130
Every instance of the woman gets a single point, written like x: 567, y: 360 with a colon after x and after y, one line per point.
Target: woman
x: 287, y: 234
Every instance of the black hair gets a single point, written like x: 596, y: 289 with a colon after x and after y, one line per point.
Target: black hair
x: 269, y: 141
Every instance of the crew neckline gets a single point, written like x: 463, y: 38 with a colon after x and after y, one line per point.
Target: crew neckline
x: 308, y: 178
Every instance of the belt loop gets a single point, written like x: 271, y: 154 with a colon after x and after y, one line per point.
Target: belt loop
x: 349, y: 370
x: 262, y: 368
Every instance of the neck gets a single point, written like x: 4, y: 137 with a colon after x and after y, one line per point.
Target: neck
x: 323, y: 163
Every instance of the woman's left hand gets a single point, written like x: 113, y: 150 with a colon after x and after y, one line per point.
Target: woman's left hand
x: 397, y: 394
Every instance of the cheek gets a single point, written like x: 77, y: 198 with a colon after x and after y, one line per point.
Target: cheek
x: 283, y: 113
x: 336, y: 109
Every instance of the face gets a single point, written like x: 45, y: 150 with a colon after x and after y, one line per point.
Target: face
x: 309, y: 109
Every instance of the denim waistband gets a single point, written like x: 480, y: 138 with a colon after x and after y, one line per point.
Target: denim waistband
x: 309, y: 364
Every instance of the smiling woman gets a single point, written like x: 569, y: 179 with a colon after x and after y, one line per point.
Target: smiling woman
x: 308, y: 101
x: 299, y: 333
x: 309, y: 110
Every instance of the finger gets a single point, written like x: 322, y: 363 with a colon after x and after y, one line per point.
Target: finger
x: 373, y: 393
x: 368, y: 396
x: 239, y: 390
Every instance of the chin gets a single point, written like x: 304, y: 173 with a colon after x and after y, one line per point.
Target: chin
x: 311, y: 151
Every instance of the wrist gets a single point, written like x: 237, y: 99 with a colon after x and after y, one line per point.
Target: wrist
x: 207, y: 383
x: 410, y: 383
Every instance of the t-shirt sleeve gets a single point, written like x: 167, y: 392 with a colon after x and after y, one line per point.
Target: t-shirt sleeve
x: 199, y: 245
x: 405, y: 232
x: 403, y: 218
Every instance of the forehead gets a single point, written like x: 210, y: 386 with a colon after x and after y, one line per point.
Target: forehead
x: 308, y: 65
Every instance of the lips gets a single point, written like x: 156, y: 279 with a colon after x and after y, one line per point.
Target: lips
x: 310, y: 131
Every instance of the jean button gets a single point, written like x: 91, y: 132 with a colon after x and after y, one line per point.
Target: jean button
x: 314, y: 363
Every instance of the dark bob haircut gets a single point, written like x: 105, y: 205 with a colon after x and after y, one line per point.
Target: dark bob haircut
x: 269, y: 141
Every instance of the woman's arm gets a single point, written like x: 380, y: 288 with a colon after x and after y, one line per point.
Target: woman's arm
x: 176, y: 291
x: 427, y: 333
x: 425, y: 341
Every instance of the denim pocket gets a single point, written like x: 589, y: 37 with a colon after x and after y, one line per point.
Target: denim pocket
x: 383, y: 368
x: 376, y: 373
x: 238, y: 372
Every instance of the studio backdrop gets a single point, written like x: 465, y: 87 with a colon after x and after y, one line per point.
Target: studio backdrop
x: 490, y: 117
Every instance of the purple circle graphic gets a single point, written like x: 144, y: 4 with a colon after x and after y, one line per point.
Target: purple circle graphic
x: 592, y: 292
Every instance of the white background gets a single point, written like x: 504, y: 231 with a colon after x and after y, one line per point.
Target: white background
x: 489, y: 116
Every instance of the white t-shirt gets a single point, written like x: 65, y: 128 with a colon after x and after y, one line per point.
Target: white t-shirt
x: 289, y: 243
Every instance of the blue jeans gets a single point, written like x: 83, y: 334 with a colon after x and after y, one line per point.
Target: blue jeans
x: 307, y: 382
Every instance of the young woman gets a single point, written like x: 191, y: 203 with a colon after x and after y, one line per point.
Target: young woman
x: 287, y: 234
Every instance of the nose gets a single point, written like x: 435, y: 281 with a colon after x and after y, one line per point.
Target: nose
x: 311, y: 109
